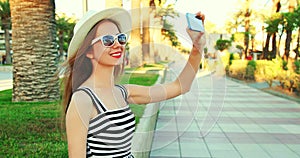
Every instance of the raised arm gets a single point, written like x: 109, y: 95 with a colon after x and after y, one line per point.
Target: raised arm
x: 160, y: 92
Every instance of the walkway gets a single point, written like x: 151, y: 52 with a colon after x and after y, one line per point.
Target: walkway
x: 224, y: 119
x: 5, y: 80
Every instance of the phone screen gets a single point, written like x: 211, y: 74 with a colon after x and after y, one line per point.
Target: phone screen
x: 194, y: 23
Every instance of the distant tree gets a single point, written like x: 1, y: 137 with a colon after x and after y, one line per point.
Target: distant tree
x: 64, y: 26
x: 247, y: 15
x: 168, y: 28
x: 272, y: 30
x: 222, y: 44
x: 242, y: 19
x: 6, y: 26
x: 297, y: 14
x: 290, y: 25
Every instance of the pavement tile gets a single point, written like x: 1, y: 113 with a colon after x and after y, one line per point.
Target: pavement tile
x: 275, y: 129
x: 294, y: 147
x: 225, y: 154
x: 231, y: 128
x: 254, y: 154
x: 168, y: 150
x: 220, y: 146
x: 295, y: 129
x: 193, y: 147
x: 285, y: 154
x: 279, y: 150
x: 217, y: 140
x: 252, y: 128
x: 251, y: 124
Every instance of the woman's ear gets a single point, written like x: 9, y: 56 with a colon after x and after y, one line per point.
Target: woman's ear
x: 90, y: 55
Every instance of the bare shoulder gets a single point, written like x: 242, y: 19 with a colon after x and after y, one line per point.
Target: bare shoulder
x: 81, y: 98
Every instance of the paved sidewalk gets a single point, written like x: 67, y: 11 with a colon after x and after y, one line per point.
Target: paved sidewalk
x: 5, y: 80
x: 224, y: 119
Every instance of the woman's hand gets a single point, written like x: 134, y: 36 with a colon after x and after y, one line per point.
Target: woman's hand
x: 198, y: 38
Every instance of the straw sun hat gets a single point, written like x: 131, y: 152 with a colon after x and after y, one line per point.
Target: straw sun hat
x: 83, y: 26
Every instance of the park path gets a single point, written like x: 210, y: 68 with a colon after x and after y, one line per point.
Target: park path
x: 5, y: 80
x: 222, y: 118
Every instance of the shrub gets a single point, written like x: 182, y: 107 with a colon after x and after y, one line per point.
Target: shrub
x: 231, y: 57
x: 267, y: 70
x: 225, y: 58
x: 252, y: 63
x: 284, y: 65
x: 297, y: 65
x: 269, y: 75
x: 282, y: 78
x: 288, y: 80
x: 298, y: 89
x: 250, y: 72
x: 236, y: 56
x: 238, y: 69
x: 222, y: 44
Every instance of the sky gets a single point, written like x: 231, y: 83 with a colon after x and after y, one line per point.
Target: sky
x: 216, y: 11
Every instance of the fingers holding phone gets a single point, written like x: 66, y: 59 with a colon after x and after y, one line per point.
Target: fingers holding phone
x: 195, y: 21
x: 196, y: 29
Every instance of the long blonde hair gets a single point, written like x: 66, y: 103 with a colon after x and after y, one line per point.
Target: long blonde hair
x: 78, y: 67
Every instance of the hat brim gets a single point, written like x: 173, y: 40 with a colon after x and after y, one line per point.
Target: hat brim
x: 119, y: 15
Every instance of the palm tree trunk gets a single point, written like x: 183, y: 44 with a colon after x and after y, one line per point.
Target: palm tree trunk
x: 297, y: 47
x: 247, y: 28
x: 35, y: 51
x: 289, y: 33
x: 274, y: 47
x: 266, y: 47
x: 146, y: 34
x: 287, y: 45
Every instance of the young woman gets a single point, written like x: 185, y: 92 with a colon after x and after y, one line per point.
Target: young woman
x: 98, y: 120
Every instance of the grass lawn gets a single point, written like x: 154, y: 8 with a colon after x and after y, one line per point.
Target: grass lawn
x: 34, y: 129
x: 30, y: 129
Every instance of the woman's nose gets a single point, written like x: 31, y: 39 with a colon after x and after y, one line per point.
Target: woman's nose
x: 117, y: 44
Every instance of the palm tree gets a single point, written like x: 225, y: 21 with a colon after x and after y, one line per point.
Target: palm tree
x: 297, y: 14
x: 6, y: 26
x: 35, y: 50
x: 272, y: 29
x: 289, y: 27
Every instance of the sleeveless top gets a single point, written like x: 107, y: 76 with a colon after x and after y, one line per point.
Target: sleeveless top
x: 110, y: 132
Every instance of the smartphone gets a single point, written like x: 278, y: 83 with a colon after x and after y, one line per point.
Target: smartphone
x: 194, y: 23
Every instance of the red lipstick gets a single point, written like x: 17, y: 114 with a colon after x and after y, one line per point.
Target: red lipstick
x: 116, y: 55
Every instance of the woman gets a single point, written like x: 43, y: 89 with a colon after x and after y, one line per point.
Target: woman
x: 98, y: 119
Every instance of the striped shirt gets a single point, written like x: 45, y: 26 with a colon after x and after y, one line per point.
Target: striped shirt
x: 110, y: 132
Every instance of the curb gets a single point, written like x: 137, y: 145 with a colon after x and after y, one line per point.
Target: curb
x: 275, y: 93
x: 278, y: 94
x: 143, y: 136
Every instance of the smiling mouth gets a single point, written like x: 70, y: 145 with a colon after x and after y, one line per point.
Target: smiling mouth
x: 116, y: 54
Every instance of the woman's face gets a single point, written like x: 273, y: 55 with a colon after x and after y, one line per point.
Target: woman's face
x: 108, y: 56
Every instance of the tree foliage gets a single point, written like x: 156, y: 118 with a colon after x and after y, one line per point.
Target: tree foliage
x: 168, y: 30
x: 64, y: 26
x: 223, y: 44
x: 6, y: 26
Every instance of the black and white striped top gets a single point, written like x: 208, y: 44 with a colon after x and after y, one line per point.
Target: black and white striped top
x: 110, y: 132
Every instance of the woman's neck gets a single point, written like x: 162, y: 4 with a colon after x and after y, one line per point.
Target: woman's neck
x: 101, y: 77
